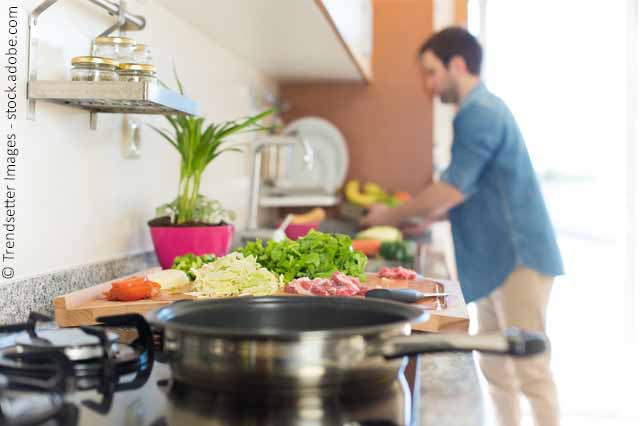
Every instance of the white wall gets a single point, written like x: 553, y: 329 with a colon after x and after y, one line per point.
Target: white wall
x: 443, y: 16
x: 78, y: 199
x: 443, y: 114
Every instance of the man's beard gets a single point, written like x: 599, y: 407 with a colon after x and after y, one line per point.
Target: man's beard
x: 449, y: 96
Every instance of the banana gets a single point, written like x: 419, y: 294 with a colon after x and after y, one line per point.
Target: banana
x: 353, y: 194
x: 375, y: 190
x: 316, y: 215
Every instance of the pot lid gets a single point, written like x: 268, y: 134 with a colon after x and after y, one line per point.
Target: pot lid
x: 286, y: 317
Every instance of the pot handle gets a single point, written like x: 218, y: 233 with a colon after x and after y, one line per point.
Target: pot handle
x: 513, y: 341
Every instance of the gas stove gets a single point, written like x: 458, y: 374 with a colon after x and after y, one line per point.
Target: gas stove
x: 88, y: 376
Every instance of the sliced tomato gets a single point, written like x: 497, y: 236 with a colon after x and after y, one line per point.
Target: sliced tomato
x: 155, y: 288
x: 129, y: 282
x: 134, y: 288
x: 129, y: 294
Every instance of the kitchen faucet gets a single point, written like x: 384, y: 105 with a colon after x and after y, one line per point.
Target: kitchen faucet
x: 258, y: 145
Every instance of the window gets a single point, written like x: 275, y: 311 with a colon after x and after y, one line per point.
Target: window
x: 568, y: 71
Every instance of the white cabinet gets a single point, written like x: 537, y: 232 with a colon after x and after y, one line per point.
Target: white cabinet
x: 289, y: 40
x: 353, y: 20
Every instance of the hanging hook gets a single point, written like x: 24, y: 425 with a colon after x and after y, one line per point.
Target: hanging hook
x: 118, y: 24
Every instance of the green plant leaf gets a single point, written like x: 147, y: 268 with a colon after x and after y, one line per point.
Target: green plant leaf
x: 198, y: 145
x: 230, y: 149
x: 163, y: 84
x: 248, y: 122
x: 165, y: 135
x: 175, y: 74
x: 174, y: 124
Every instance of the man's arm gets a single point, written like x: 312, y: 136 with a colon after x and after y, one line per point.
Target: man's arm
x: 442, y: 217
x: 432, y: 202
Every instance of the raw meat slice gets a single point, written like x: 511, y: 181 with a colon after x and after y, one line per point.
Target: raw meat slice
x: 338, y: 285
x: 397, y: 273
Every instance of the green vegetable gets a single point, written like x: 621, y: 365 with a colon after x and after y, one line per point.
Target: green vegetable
x: 381, y: 233
x: 234, y: 275
x: 392, y: 202
x: 398, y: 250
x: 191, y: 261
x: 315, y: 255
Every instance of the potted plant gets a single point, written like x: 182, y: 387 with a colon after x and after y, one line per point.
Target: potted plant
x: 192, y: 223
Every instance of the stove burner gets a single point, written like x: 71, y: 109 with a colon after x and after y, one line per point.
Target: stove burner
x: 41, y: 365
x: 77, y: 344
x: 29, y: 408
x: 45, y: 359
x: 163, y: 422
x: 32, y: 401
x: 188, y: 404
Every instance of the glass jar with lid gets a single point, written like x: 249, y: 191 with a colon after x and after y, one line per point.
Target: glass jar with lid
x: 137, y: 72
x: 118, y: 48
x: 93, y: 68
x: 141, y: 54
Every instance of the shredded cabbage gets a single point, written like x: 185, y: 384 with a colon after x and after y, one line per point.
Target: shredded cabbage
x: 234, y: 275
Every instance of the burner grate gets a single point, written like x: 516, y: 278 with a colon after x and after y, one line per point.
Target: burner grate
x: 39, y: 358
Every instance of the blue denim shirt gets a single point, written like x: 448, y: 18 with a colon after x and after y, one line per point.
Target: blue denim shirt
x: 503, y: 222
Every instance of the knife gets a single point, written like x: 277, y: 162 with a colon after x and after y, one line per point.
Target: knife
x: 407, y: 295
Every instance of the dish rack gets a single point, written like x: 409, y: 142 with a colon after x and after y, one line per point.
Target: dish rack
x: 102, y: 96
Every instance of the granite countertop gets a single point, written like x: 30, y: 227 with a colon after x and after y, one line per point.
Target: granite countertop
x: 20, y: 297
x: 449, y: 383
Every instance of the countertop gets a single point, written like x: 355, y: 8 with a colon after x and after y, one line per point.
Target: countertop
x: 448, y: 385
x: 449, y: 389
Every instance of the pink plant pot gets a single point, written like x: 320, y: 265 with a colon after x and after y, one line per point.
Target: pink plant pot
x: 172, y: 241
x: 295, y: 231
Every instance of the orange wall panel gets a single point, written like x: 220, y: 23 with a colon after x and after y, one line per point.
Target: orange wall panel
x: 387, y: 123
x: 460, y: 12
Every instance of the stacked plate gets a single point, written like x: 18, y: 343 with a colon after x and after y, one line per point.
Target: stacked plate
x: 330, y: 159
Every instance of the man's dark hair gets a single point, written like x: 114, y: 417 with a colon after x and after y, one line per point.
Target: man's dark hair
x: 454, y: 41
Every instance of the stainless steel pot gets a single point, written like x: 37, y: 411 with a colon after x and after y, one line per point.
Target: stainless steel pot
x: 311, y: 342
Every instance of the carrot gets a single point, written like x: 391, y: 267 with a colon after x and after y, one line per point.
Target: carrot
x: 368, y: 247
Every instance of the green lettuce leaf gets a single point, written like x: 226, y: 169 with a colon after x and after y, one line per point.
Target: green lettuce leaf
x: 315, y: 255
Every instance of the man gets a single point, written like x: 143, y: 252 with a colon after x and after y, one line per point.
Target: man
x: 506, y: 250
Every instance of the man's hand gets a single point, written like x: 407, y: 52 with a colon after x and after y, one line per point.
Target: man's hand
x: 432, y: 202
x: 413, y: 229
x: 378, y: 215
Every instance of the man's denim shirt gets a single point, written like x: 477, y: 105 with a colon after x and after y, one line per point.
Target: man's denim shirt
x: 503, y: 222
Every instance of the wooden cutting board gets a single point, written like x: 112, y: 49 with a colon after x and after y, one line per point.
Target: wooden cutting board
x: 82, y: 307
x: 445, y: 313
